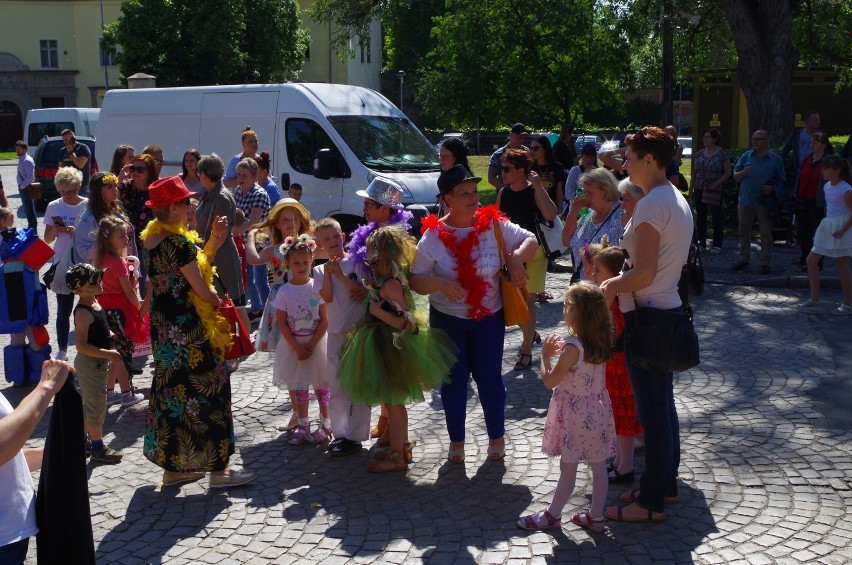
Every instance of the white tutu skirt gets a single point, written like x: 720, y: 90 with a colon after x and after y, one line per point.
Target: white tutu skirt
x: 828, y: 246
x: 292, y: 374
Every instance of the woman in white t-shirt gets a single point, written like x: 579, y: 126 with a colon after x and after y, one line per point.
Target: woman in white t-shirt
x: 457, y: 264
x: 656, y: 241
x: 60, y: 217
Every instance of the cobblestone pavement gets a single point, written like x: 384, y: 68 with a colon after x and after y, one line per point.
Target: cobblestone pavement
x: 765, y: 473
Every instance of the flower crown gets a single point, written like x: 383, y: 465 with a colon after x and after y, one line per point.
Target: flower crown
x: 110, y: 178
x: 291, y: 242
x: 587, y: 252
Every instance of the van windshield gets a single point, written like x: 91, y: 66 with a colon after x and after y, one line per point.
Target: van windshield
x: 387, y: 144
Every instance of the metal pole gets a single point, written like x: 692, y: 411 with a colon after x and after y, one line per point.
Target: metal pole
x: 679, y: 102
x: 106, y: 69
x: 401, y: 76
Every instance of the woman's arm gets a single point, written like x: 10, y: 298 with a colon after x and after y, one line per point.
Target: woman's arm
x: 644, y: 265
x: 726, y: 168
x: 609, y: 160
x: 217, y: 237
x: 192, y: 274
x: 545, y: 205
x: 560, y: 195
x: 84, y: 245
x: 572, y: 219
x: 253, y: 257
x: 253, y: 218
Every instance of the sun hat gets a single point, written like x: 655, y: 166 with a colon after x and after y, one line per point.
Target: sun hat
x: 82, y: 274
x: 300, y: 209
x: 384, y: 192
x: 454, y: 176
x: 167, y: 191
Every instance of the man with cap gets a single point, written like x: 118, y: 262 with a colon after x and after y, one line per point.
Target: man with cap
x: 517, y: 136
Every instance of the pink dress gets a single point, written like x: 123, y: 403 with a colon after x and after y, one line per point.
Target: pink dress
x: 579, y: 424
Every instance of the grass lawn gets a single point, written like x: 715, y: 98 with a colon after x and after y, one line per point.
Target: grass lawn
x: 8, y: 155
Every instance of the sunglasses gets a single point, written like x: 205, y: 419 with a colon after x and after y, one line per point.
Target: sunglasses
x: 139, y: 169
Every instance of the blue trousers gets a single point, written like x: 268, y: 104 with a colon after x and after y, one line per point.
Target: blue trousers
x: 14, y: 553
x: 257, y: 286
x: 480, y: 345
x: 64, y: 306
x: 655, y: 406
x: 28, y: 204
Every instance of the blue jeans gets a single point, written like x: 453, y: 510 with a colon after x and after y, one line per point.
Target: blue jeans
x: 480, y: 345
x: 655, y: 406
x: 28, y: 204
x: 257, y: 283
x: 14, y: 553
x: 64, y: 306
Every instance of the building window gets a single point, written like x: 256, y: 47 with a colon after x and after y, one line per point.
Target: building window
x: 365, y: 52
x: 108, y: 59
x: 49, y: 49
x: 308, y: 54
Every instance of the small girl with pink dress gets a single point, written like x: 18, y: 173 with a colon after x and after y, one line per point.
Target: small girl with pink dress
x: 579, y: 424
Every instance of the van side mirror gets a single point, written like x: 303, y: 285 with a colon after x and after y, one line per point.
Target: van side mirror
x: 328, y: 163
x: 285, y: 181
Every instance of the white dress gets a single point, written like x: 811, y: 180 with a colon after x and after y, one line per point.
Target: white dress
x: 837, y: 212
x: 267, y: 336
x: 301, y: 303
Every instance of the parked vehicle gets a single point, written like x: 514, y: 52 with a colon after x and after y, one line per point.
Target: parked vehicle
x: 47, y: 163
x: 457, y: 135
x: 333, y: 139
x: 49, y: 122
x: 588, y: 138
x: 686, y: 143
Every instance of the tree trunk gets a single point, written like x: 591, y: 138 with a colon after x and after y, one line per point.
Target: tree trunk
x: 762, y: 31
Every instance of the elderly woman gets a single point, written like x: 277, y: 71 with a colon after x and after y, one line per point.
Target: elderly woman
x: 214, y: 202
x: 711, y: 167
x: 630, y: 196
x: 254, y: 202
x: 524, y: 201
x: 248, y: 140
x: 457, y: 264
x: 190, y: 427
x: 588, y: 161
x: 657, y: 243
x: 60, y: 217
x: 600, y: 195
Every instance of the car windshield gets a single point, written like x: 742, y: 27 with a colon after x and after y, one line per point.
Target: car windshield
x: 387, y: 144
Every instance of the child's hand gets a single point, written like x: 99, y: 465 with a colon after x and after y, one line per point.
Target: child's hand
x: 375, y: 308
x: 551, y: 346
x: 358, y: 294
x: 114, y: 356
x: 332, y: 267
x: 303, y: 352
x: 838, y: 234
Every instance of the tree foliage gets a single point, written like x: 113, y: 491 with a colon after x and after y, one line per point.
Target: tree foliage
x: 506, y: 60
x: 822, y: 35
x: 199, y: 42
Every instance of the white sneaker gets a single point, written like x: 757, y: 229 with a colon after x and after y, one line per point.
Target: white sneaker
x: 130, y: 398
x: 113, y: 398
x: 61, y: 355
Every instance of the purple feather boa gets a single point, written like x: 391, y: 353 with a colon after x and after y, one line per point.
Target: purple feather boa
x: 358, y: 242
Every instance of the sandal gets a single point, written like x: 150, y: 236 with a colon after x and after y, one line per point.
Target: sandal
x: 456, y: 454
x: 394, y: 461
x: 524, y: 361
x: 647, y: 515
x: 545, y: 518
x: 536, y: 338
x: 299, y: 437
x: 407, y: 451
x: 584, y: 520
x: 616, y: 478
x: 319, y: 436
x: 384, y: 439
x: 630, y: 496
x: 842, y: 310
x: 497, y: 452
x: 290, y: 426
x: 809, y: 305
x: 379, y: 429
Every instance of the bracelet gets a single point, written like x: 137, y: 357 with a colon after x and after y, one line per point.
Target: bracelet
x: 218, y: 236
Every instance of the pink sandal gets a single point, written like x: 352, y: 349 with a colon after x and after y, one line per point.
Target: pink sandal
x: 299, y: 437
x: 532, y: 521
x: 585, y: 520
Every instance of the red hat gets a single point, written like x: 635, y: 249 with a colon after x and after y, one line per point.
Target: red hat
x: 167, y: 191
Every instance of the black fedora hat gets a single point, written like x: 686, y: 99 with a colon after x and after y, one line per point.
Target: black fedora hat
x: 453, y: 176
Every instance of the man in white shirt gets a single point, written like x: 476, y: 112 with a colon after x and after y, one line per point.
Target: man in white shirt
x: 25, y: 177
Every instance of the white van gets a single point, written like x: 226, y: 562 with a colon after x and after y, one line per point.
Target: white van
x: 49, y: 122
x: 351, y: 134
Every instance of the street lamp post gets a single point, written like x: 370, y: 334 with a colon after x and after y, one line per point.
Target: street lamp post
x: 679, y: 102
x: 401, y: 76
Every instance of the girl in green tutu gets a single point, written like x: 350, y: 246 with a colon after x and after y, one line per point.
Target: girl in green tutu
x: 393, y: 356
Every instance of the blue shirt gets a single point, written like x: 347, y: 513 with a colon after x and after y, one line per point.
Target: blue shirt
x: 768, y: 169
x: 272, y: 190
x: 26, y: 171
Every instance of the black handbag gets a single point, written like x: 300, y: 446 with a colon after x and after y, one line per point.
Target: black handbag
x: 662, y: 340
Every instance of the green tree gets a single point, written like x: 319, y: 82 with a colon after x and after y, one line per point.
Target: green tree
x: 177, y: 42
x: 504, y: 60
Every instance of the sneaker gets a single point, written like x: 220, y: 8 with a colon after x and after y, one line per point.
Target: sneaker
x: 113, y: 398
x: 106, y: 455
x: 808, y: 305
x: 842, y: 310
x: 345, y: 447
x: 130, y: 398
x: 61, y: 355
x: 715, y: 250
x: 739, y: 266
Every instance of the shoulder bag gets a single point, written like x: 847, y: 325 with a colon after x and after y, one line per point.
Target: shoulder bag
x: 515, y: 298
x: 549, y: 233
x: 662, y: 340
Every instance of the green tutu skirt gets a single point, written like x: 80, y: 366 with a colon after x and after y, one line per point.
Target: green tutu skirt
x: 375, y: 371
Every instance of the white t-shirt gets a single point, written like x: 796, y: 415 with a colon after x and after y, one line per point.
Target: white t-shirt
x: 835, y: 203
x: 17, y: 504
x: 301, y: 303
x: 664, y: 209
x: 343, y: 312
x: 433, y: 258
x: 69, y: 214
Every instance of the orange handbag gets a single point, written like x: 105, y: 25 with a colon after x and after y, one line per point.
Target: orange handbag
x: 241, y: 344
x: 515, y: 298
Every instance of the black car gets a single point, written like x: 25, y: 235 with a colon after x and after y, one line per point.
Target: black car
x: 47, y: 163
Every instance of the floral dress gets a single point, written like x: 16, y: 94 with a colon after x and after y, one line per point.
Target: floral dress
x: 268, y: 334
x: 189, y: 425
x: 579, y: 424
